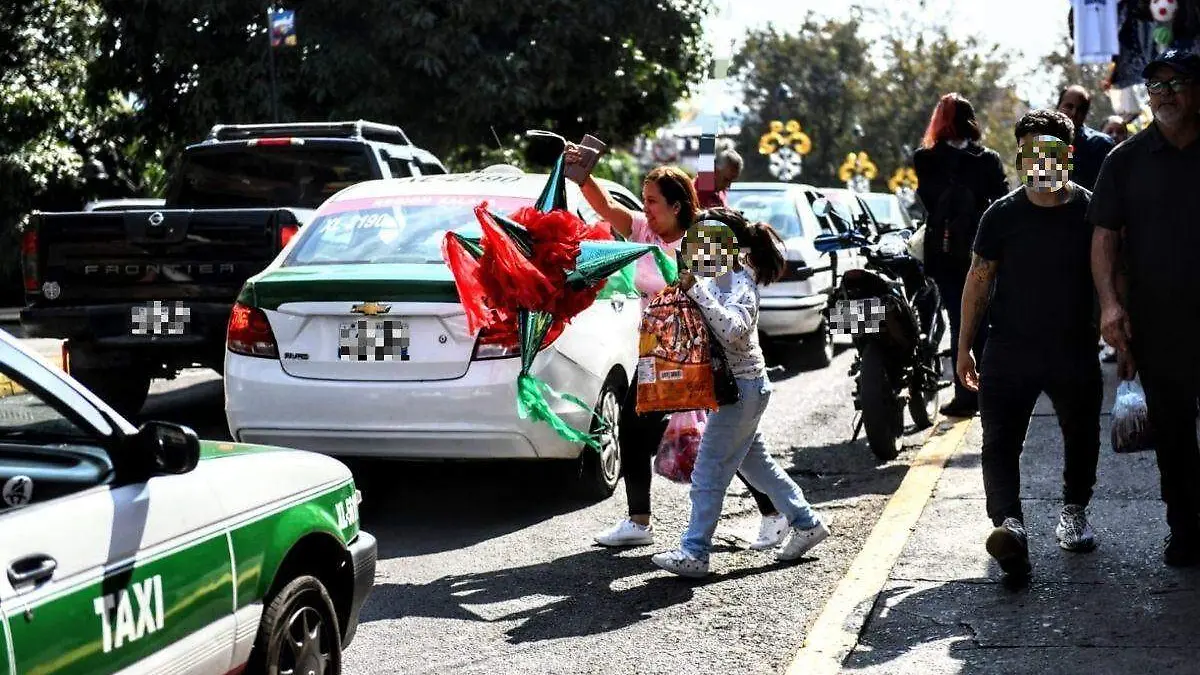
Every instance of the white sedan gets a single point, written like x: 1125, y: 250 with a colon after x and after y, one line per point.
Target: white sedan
x: 353, y: 342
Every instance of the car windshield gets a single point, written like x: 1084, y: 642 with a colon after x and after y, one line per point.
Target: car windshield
x: 406, y: 229
x: 774, y: 207
x: 886, y: 209
x: 252, y: 177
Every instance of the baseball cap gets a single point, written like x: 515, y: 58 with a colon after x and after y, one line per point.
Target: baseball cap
x: 1181, y: 60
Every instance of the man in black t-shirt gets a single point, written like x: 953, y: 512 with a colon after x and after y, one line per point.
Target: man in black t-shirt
x: 1035, y: 245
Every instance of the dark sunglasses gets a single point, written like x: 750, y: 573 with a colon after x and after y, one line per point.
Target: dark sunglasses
x: 1176, y: 85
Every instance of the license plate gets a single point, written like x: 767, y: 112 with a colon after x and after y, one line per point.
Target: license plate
x: 373, y: 340
x: 862, y: 316
x: 160, y: 318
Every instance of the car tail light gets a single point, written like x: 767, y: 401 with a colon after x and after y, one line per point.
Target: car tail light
x: 250, y: 333
x: 286, y: 232
x: 29, y: 246
x: 275, y: 141
x: 493, y: 345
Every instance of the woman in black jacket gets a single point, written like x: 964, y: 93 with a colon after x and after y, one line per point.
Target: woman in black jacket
x: 957, y: 179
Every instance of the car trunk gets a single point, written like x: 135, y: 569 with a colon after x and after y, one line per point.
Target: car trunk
x: 373, y: 322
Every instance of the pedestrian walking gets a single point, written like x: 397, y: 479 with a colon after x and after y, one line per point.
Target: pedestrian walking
x: 1091, y: 146
x: 670, y: 200
x: 1146, y: 211
x: 729, y: 301
x: 957, y: 178
x: 1032, y: 255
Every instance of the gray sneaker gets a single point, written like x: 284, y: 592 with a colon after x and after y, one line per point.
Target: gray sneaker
x: 1074, y: 533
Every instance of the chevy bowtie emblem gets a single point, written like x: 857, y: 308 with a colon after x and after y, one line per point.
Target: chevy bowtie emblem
x: 156, y: 219
x: 371, y: 308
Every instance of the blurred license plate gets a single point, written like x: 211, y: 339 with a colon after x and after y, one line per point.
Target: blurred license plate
x: 159, y: 318
x: 373, y: 340
x: 857, y: 317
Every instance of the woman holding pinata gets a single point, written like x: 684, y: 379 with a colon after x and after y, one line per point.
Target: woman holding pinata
x: 670, y: 202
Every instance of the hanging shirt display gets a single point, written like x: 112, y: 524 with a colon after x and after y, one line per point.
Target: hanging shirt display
x: 1136, y: 38
x: 1095, y: 30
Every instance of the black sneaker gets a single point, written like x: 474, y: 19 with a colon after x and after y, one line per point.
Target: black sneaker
x: 958, y: 408
x: 1182, y: 550
x: 1010, y: 547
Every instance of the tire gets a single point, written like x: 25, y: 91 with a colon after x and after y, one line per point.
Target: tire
x: 923, y: 405
x: 303, y: 606
x: 123, y: 389
x: 600, y: 471
x: 816, y: 350
x: 881, y: 414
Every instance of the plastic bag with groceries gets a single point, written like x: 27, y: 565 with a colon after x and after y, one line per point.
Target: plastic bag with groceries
x: 680, y: 446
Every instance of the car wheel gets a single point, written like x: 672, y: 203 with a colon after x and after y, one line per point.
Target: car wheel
x: 602, y: 469
x: 817, y: 349
x: 299, y: 632
x: 124, y: 389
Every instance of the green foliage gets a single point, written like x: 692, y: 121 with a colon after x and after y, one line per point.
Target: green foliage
x: 1066, y: 72
x: 620, y: 167
x: 848, y: 97
x: 447, y: 72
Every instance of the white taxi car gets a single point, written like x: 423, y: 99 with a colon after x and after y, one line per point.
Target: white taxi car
x: 353, y: 341
x: 148, y: 551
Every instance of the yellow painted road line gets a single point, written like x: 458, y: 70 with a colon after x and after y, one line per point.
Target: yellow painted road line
x: 835, y: 632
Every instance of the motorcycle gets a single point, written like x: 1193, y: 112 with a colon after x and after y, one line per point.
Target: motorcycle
x: 893, y: 313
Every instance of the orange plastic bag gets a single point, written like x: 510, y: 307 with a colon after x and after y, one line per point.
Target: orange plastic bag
x: 675, y: 368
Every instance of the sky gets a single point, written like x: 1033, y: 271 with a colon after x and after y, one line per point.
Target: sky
x: 1034, y: 27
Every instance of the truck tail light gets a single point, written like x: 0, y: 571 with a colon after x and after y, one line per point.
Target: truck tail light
x: 493, y: 345
x: 29, y: 247
x: 275, y: 141
x: 250, y: 333
x: 286, y: 232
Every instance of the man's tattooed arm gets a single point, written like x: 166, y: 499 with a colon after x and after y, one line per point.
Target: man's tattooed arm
x: 975, y: 300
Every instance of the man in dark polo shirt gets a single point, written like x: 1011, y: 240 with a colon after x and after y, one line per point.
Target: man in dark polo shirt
x: 1146, y: 264
x: 1091, y: 146
x: 1035, y: 245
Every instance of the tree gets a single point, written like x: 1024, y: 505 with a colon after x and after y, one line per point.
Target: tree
x: 1061, y: 63
x: 451, y: 73
x: 56, y: 148
x: 849, y: 97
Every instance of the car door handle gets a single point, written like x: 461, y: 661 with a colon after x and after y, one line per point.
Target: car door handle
x: 33, y: 568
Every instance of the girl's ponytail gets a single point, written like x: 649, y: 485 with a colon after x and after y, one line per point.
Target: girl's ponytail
x: 763, y: 245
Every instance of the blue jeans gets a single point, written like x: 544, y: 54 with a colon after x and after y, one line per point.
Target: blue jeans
x: 732, y: 440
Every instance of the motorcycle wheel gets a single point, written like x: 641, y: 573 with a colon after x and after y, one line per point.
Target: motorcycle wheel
x: 877, y: 398
x: 922, y: 404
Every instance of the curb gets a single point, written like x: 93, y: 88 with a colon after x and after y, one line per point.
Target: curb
x: 835, y: 632
x: 10, y: 388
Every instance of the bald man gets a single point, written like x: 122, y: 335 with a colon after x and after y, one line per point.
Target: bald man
x: 1091, y: 146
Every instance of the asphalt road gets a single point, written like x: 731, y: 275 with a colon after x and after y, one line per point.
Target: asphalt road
x: 490, y: 568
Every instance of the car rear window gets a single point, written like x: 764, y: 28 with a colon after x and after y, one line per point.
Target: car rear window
x: 268, y: 176
x: 774, y: 207
x: 407, y: 229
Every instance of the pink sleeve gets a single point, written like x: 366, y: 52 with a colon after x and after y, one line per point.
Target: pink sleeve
x: 640, y: 230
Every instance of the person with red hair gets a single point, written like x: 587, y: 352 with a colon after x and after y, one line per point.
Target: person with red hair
x: 957, y: 179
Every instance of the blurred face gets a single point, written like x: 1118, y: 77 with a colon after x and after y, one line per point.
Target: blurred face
x: 709, y: 249
x: 1173, y: 97
x: 1072, y: 105
x: 726, y: 175
x: 1044, y: 163
x: 662, y: 217
x: 1116, y: 130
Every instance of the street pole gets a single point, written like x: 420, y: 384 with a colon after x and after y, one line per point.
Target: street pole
x: 271, y: 60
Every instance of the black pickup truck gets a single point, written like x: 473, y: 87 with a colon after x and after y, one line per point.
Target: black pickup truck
x: 142, y: 293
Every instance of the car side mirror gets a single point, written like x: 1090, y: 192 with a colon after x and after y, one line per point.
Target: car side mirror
x: 173, y: 449
x: 820, y: 207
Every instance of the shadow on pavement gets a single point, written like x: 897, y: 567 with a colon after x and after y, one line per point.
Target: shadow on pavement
x: 786, y: 360
x: 588, y: 596
x: 200, y: 406
x: 843, y: 471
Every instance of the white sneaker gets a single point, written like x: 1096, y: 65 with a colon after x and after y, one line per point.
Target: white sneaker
x: 678, y: 562
x: 802, y: 541
x: 770, y: 532
x: 626, y: 533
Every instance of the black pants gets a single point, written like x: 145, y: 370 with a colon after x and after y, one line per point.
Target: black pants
x: 950, y: 285
x: 1171, y: 379
x: 640, y: 436
x: 1011, y: 380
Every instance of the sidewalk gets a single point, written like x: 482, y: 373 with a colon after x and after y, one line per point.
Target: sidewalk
x: 1118, y: 610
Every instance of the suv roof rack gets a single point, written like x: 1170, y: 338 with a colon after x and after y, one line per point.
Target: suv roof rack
x: 358, y: 129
